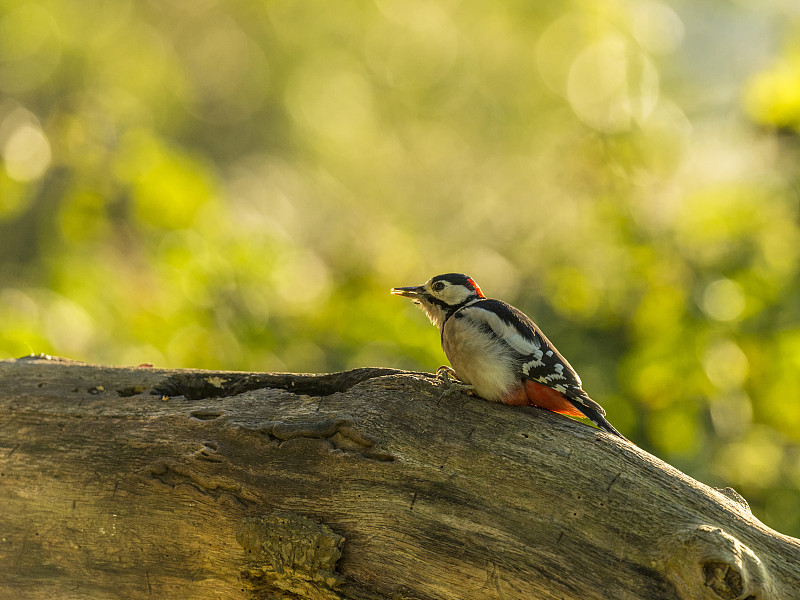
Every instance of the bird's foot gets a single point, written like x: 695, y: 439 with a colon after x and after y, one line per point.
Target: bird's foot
x: 452, y: 384
x: 445, y: 372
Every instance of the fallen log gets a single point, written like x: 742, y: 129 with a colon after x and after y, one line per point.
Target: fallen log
x: 368, y: 484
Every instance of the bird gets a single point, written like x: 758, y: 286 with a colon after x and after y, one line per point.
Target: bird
x: 499, y: 352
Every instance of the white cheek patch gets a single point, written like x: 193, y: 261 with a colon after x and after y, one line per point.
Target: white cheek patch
x: 454, y: 294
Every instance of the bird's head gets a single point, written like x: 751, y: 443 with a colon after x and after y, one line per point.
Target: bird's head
x: 442, y: 295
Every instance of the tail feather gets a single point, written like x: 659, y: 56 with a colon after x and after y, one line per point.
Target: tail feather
x: 595, y: 417
x: 575, y: 402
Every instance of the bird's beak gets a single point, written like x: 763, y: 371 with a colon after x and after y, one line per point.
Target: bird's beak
x: 409, y: 292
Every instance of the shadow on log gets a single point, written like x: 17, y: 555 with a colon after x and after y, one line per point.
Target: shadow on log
x: 368, y: 484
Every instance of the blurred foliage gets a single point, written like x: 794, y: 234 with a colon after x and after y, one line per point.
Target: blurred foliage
x: 236, y: 185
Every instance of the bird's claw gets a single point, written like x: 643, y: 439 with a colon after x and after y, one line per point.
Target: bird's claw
x: 446, y: 373
x: 451, y: 382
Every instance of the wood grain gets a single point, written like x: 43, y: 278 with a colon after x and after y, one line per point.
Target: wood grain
x: 369, y: 484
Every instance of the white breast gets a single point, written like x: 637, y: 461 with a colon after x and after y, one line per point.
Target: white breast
x: 479, y: 359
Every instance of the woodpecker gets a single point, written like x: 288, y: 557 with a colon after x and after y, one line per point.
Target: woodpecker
x: 499, y: 352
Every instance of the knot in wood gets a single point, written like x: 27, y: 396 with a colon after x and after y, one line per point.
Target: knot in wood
x: 724, y: 579
x: 706, y: 563
x: 289, y: 541
x: 287, y: 551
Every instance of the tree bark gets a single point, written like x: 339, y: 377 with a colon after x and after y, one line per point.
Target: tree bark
x: 369, y: 484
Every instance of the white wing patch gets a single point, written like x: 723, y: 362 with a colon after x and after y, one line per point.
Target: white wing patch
x: 505, y: 331
x: 478, y: 358
x: 536, y: 362
x: 556, y: 370
x: 482, y: 359
x: 558, y: 373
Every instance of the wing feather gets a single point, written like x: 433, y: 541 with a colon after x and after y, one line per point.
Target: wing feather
x: 537, y: 358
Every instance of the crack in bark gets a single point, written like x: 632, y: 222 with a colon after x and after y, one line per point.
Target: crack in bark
x: 174, y: 477
x: 339, y: 433
x: 201, y: 385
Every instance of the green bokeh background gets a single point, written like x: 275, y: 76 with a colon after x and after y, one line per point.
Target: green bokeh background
x: 236, y: 185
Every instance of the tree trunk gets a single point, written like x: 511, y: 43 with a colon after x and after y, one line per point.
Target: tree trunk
x: 368, y: 484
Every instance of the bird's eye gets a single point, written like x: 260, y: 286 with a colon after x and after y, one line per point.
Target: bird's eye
x: 438, y: 286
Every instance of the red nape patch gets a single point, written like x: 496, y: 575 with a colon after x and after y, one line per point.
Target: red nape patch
x: 546, y: 397
x: 475, y: 287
